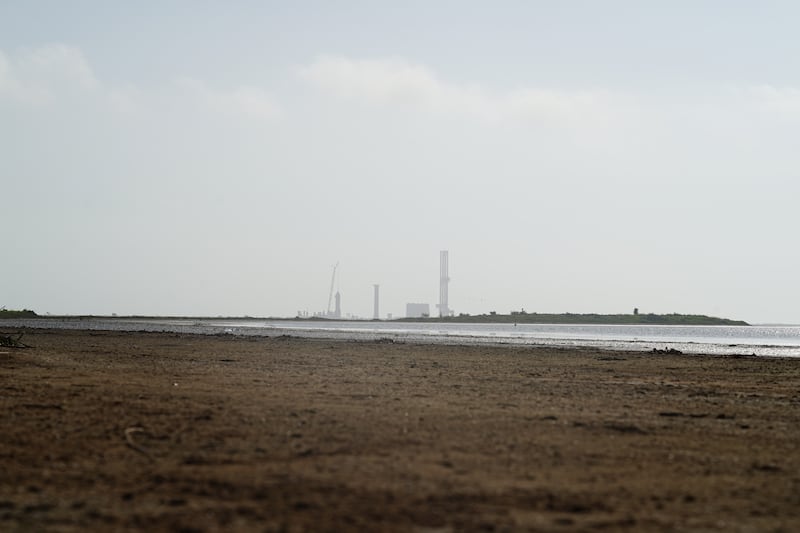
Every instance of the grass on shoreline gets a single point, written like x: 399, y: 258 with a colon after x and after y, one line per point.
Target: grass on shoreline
x: 12, y: 313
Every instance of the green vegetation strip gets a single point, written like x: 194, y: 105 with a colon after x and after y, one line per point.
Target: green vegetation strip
x: 570, y: 318
x: 11, y: 313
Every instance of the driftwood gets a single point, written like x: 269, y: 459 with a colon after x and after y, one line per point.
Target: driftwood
x: 132, y: 444
x: 7, y: 341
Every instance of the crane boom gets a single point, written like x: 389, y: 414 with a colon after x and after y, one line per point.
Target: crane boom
x: 330, y: 294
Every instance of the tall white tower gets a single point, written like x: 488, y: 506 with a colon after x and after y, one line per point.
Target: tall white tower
x: 376, y: 313
x: 444, y: 280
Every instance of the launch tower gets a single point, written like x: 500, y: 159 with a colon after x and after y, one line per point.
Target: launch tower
x: 444, y: 280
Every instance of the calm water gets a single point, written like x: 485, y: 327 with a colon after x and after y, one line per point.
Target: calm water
x: 782, y: 341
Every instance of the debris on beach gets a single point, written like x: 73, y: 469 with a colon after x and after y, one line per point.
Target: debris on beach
x: 7, y: 341
x: 668, y: 351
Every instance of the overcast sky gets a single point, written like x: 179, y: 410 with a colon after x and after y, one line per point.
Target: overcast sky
x: 218, y: 158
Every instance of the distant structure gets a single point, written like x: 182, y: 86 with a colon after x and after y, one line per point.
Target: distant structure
x: 418, y: 310
x: 444, y: 280
x: 376, y: 308
x: 333, y: 299
x: 330, y: 293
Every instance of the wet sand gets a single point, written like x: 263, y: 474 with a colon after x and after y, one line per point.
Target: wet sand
x: 172, y: 432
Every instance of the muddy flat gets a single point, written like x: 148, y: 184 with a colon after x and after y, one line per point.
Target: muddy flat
x: 172, y: 432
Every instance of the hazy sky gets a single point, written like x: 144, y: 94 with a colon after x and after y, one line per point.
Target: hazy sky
x: 218, y: 158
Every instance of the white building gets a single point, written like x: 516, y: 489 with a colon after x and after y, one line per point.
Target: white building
x: 418, y: 310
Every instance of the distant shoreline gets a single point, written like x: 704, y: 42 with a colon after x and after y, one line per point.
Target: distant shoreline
x: 651, y: 319
x: 673, y: 319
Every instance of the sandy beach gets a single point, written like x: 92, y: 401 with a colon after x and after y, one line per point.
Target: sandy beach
x: 174, y: 432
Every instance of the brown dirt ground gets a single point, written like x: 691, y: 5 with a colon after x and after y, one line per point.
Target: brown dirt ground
x: 170, y: 432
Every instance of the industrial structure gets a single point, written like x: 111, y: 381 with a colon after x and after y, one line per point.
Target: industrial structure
x: 413, y: 310
x: 418, y: 310
x: 444, y: 280
x: 337, y: 311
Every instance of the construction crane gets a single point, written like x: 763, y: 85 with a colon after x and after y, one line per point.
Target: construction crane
x: 330, y: 294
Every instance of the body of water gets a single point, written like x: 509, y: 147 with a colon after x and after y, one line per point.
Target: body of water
x: 780, y: 341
